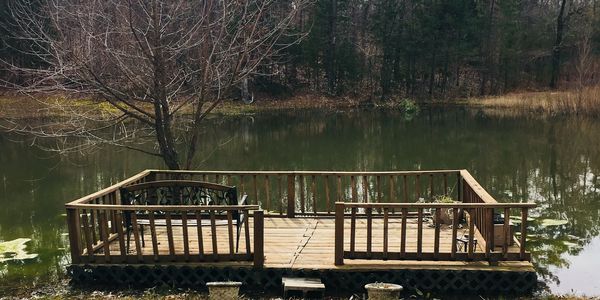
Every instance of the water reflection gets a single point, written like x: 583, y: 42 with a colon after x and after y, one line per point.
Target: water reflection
x: 554, y: 162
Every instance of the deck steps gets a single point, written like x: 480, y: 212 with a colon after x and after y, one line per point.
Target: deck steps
x: 304, y: 285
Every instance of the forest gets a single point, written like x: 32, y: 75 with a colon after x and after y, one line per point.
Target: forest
x: 428, y: 49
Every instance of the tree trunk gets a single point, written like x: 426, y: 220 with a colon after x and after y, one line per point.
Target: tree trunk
x: 432, y: 75
x: 162, y: 123
x: 446, y: 72
x: 331, y: 48
x: 165, y: 139
x: 483, y: 83
x: 560, y: 25
x: 385, y: 71
x: 488, y: 74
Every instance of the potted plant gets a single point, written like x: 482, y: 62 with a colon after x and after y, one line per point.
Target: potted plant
x: 446, y: 214
x: 223, y: 290
x: 383, y: 291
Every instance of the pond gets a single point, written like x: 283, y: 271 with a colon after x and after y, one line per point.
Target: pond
x: 552, y: 161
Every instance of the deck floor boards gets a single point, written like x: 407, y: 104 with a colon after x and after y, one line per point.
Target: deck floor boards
x: 304, y: 243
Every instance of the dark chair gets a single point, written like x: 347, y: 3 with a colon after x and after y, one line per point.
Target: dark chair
x: 179, y: 192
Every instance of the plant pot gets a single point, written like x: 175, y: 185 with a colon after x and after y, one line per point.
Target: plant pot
x: 446, y: 216
x: 499, y: 235
x: 224, y: 290
x: 383, y: 291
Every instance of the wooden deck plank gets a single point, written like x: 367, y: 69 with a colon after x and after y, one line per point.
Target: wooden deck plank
x: 308, y: 243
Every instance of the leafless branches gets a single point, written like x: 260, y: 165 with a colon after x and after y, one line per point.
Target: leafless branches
x: 152, y: 61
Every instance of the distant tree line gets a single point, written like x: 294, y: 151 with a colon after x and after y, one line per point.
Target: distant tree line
x: 439, y: 48
x: 378, y: 49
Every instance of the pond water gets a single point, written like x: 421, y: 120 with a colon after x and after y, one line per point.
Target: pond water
x: 552, y: 161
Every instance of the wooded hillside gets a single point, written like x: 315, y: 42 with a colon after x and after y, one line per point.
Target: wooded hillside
x: 379, y: 49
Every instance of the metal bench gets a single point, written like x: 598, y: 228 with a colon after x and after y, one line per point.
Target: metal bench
x: 180, y: 192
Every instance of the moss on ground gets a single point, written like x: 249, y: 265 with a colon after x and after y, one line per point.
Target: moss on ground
x: 21, y: 107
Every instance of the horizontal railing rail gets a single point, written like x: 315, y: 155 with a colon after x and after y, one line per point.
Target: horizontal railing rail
x: 439, y: 205
x: 110, y: 195
x: 313, y: 193
x: 361, y: 245
x: 163, y: 208
x: 101, y: 233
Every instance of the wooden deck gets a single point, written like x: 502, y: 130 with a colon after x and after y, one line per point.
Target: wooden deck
x: 308, y: 243
x: 346, y: 228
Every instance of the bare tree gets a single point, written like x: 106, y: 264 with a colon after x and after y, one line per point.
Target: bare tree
x: 584, y: 65
x: 163, y: 63
x: 556, y: 48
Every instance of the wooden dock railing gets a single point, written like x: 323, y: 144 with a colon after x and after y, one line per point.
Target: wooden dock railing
x: 480, y: 228
x: 101, y: 229
x: 97, y: 221
x: 474, y: 193
x: 314, y: 193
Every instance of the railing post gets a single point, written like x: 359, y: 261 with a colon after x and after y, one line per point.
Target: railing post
x: 489, y: 238
x: 74, y: 234
x: 339, y: 234
x: 459, y: 195
x: 491, y: 230
x: 291, y: 196
x: 259, y: 239
x: 523, y: 232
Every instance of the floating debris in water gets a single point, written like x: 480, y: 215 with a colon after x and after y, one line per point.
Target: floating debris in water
x: 552, y: 222
x: 15, y: 250
x: 517, y: 219
x: 571, y: 245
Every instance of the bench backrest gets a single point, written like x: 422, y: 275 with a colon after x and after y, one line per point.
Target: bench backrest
x: 179, y: 192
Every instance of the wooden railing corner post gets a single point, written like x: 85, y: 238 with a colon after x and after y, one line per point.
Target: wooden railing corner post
x: 339, y: 233
x: 259, y: 239
x: 291, y: 196
x: 523, y: 233
x: 487, y: 225
x: 150, y: 177
x: 74, y: 228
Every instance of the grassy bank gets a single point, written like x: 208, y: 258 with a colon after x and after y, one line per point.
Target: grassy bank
x: 574, y: 102
x: 583, y: 102
x: 23, y: 107
x: 20, y: 107
x: 296, y: 102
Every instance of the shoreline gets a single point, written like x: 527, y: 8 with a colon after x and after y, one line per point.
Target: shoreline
x: 544, y: 103
x: 17, y: 107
